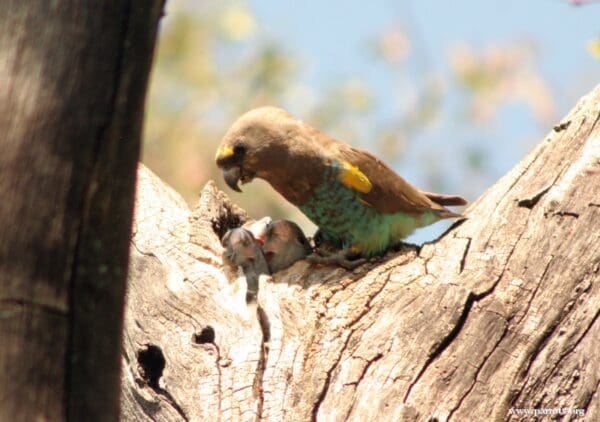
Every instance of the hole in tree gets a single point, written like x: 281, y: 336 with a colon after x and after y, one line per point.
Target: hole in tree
x: 152, y: 364
x: 207, y: 335
x: 227, y: 218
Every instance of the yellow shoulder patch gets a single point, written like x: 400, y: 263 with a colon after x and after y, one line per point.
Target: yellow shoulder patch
x: 224, y: 152
x: 352, y: 177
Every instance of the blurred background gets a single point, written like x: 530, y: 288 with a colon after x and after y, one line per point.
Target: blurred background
x: 452, y: 96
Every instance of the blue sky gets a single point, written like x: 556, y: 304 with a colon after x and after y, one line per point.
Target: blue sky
x: 332, y: 35
x: 332, y: 38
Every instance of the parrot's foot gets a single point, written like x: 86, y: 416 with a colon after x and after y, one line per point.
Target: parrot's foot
x: 340, y: 258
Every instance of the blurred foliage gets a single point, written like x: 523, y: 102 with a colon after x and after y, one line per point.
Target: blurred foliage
x: 594, y: 48
x: 502, y: 74
x: 214, y: 62
x: 209, y: 69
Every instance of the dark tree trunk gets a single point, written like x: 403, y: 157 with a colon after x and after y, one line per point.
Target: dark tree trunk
x: 73, y: 77
x: 498, y: 315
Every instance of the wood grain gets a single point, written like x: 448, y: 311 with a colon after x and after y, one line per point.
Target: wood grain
x: 73, y: 77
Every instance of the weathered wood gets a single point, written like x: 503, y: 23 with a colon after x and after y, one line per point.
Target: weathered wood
x: 72, y: 85
x: 498, y: 314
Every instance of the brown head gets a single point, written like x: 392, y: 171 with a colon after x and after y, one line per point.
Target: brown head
x: 269, y: 143
x: 285, y: 244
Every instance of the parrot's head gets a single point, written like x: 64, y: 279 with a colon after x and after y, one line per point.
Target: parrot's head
x: 255, y: 145
x: 239, y: 242
x: 281, y: 234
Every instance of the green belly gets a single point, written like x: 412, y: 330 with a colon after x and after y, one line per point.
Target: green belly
x: 348, y: 221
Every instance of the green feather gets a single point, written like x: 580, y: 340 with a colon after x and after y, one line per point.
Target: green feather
x: 350, y: 222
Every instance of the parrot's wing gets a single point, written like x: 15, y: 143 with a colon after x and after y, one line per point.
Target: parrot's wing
x: 389, y: 193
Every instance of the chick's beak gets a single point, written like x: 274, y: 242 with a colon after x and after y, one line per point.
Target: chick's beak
x: 232, y: 176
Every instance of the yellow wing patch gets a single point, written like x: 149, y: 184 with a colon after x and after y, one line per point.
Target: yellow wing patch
x: 594, y: 48
x: 224, y: 152
x: 352, y: 177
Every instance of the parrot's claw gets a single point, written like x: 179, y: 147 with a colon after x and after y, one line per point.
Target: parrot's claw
x: 338, y: 258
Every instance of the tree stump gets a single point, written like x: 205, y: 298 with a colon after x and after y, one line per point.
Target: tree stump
x: 495, y: 318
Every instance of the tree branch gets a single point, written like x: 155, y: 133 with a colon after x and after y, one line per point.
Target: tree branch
x: 500, y: 313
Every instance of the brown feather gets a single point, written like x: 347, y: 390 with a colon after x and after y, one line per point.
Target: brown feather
x: 391, y: 193
x: 448, y: 200
x: 291, y: 156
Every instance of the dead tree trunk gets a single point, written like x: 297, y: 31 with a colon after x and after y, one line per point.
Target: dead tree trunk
x: 73, y: 77
x: 498, y: 315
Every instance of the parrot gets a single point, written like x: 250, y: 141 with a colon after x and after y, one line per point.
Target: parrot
x: 243, y: 250
x: 284, y: 244
x: 360, y: 205
x: 258, y: 228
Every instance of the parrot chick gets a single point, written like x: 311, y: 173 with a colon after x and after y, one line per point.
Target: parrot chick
x: 359, y: 203
x: 284, y: 244
x: 243, y: 250
x: 258, y: 228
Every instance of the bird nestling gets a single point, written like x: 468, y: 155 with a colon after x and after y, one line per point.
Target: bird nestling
x: 243, y: 250
x: 359, y: 203
x: 264, y: 247
x: 284, y: 244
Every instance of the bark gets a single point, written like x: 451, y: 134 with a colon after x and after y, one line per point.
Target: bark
x: 73, y: 79
x: 500, y: 313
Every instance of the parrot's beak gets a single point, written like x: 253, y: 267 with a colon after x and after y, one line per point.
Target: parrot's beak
x: 232, y: 176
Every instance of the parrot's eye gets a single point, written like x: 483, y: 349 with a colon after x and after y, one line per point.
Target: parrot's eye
x: 239, y: 148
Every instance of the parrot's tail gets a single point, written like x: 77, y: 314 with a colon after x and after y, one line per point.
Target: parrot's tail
x: 449, y: 214
x: 447, y: 200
